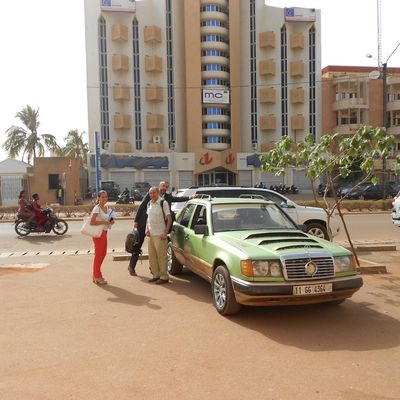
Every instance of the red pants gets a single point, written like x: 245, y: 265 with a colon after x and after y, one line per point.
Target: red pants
x: 41, y: 218
x: 100, y: 251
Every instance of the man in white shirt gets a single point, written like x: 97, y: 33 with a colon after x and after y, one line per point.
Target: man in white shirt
x: 158, y: 224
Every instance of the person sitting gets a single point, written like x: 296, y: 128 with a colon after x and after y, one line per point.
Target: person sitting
x: 25, y: 209
x: 37, y: 209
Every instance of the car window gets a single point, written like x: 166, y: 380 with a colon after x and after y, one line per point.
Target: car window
x: 272, y: 197
x: 183, y: 217
x: 199, y: 217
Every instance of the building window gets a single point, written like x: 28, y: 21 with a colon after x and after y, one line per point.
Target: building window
x: 103, y: 80
x: 284, y: 83
x: 170, y: 80
x: 253, y: 75
x: 312, y: 80
x: 54, y: 181
x: 136, y: 85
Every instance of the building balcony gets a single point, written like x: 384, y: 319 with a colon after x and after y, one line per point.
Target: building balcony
x: 215, y: 60
x: 120, y: 63
x: 267, y: 67
x: 215, y: 75
x: 216, y: 132
x: 121, y: 93
x: 349, y: 103
x: 297, y: 122
x: 214, y: 30
x: 296, y: 41
x: 213, y: 15
x: 267, y: 95
x: 216, y: 146
x: 155, y: 147
x: 347, y: 129
x: 119, y: 33
x: 154, y: 121
x: 297, y: 68
x: 154, y: 93
x: 264, y: 147
x: 217, y: 118
x: 215, y: 46
x: 122, y: 121
x: 267, y: 40
x: 268, y: 123
x: 297, y: 96
x: 222, y: 3
x: 152, y: 34
x: 393, y: 105
x: 122, y: 147
x: 153, y: 64
x: 393, y: 130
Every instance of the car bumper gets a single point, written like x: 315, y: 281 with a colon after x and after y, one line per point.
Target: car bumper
x: 271, y: 294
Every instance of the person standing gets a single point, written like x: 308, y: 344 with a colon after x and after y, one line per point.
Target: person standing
x: 141, y: 219
x: 60, y: 195
x: 157, y: 227
x: 100, y: 216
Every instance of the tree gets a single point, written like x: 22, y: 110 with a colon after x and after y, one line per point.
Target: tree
x: 333, y: 157
x: 26, y: 139
x: 75, y: 146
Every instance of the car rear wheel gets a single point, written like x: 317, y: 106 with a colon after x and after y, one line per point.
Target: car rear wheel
x: 174, y: 267
x: 222, y: 292
x: 317, y: 230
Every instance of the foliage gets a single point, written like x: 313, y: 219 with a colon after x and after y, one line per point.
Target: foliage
x: 26, y: 139
x: 334, y: 156
x: 75, y: 146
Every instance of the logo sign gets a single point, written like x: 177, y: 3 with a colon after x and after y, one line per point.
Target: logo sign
x: 118, y: 5
x: 216, y: 96
x: 206, y: 159
x: 298, y: 14
x: 230, y: 159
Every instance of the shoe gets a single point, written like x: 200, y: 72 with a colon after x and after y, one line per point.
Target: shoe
x: 132, y: 271
x: 154, y: 279
x: 100, y: 281
x: 162, y: 281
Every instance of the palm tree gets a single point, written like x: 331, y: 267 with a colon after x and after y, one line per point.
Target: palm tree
x: 75, y: 146
x: 26, y: 139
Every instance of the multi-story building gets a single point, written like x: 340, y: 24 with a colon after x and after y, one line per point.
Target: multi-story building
x: 352, y: 96
x: 192, y: 91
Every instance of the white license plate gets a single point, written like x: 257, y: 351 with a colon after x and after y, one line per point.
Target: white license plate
x: 305, y: 290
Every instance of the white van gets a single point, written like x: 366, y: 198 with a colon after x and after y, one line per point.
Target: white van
x: 314, y: 218
x: 396, y: 210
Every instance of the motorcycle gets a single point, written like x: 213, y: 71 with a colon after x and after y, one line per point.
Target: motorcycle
x: 53, y: 223
x: 293, y: 189
x: 125, y: 199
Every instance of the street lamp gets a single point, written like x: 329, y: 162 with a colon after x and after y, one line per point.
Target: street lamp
x: 383, y: 66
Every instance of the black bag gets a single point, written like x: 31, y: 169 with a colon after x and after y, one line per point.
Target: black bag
x: 131, y: 239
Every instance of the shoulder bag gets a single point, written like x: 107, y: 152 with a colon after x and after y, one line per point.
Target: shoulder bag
x: 91, y: 230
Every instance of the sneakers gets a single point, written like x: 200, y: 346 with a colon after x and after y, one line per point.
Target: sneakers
x: 131, y: 271
x: 154, y: 280
x: 162, y: 281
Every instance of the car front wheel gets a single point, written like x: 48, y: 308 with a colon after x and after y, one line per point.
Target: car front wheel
x: 317, y: 230
x: 222, y: 292
x: 174, y: 267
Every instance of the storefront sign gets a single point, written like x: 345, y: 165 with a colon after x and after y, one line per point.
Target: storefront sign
x: 215, y: 96
x: 118, y: 5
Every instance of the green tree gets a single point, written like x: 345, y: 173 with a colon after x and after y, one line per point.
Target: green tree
x: 26, y: 139
x: 333, y: 157
x: 75, y: 146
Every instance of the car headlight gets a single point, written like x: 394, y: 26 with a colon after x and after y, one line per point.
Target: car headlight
x: 261, y: 268
x: 344, y: 264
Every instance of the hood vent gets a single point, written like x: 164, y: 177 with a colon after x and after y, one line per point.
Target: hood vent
x: 316, y: 246
x: 305, y: 242
x: 279, y: 234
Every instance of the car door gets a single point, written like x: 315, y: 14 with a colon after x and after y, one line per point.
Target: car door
x: 179, y: 233
x: 196, y: 245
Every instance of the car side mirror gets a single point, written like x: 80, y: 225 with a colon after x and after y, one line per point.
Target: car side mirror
x: 287, y: 204
x: 201, y: 230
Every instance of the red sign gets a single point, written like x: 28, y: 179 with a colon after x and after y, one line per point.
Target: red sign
x: 230, y: 159
x: 206, y: 159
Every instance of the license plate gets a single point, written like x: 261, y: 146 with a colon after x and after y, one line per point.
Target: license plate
x: 305, y: 290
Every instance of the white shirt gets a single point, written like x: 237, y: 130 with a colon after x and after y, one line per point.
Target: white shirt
x: 155, y: 221
x: 102, y: 216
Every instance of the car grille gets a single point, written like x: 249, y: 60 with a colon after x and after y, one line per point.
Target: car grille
x: 294, y: 267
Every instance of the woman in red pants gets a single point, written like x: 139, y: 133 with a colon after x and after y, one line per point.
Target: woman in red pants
x: 100, y: 216
x: 37, y: 210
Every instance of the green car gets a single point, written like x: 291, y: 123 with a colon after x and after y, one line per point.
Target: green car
x: 254, y: 254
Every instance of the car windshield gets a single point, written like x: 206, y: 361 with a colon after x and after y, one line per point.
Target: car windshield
x: 239, y: 217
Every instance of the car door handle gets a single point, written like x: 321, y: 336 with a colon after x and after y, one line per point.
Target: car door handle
x: 186, y: 237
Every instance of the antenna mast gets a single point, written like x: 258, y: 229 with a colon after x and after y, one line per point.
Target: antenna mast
x: 379, y: 24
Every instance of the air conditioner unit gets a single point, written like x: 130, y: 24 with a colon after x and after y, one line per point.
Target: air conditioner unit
x: 107, y: 146
x: 157, y: 139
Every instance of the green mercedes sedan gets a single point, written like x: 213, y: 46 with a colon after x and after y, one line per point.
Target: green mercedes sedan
x: 254, y: 254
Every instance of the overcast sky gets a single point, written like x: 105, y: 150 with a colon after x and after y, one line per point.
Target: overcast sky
x: 43, y: 53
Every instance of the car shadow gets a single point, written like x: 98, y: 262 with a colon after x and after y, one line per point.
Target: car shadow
x: 126, y: 297
x: 353, y: 326
x: 44, y: 238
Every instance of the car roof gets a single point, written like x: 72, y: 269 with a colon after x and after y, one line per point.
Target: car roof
x: 230, y: 200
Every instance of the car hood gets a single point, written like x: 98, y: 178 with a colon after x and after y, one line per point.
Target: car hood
x: 266, y: 243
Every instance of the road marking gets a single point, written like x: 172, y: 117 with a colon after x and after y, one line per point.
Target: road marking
x: 59, y: 253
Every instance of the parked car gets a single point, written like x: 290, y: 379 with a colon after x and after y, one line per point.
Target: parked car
x: 396, y: 210
x: 314, y: 218
x: 111, y: 188
x: 372, y: 192
x: 253, y: 253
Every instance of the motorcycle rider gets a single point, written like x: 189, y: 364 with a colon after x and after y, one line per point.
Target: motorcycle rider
x: 25, y: 208
x: 37, y: 209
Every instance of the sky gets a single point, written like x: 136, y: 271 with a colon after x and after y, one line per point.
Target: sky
x: 43, y: 54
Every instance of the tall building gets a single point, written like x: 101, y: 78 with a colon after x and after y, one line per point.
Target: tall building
x: 192, y: 91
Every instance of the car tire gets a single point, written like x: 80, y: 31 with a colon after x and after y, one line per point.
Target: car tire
x: 317, y: 230
x: 222, y: 292
x: 174, y: 266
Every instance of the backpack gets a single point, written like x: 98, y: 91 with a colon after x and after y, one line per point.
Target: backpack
x: 130, y: 242
x: 170, y: 212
